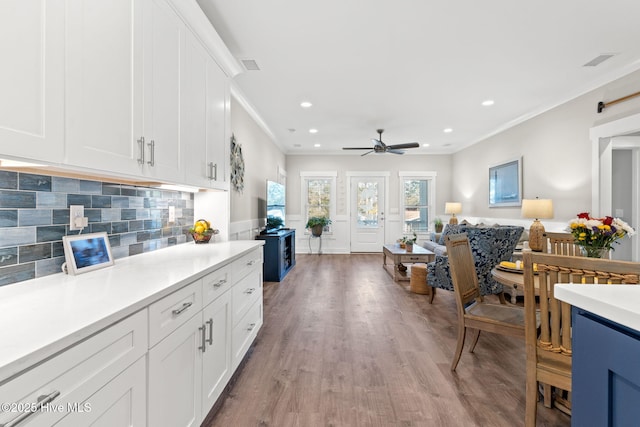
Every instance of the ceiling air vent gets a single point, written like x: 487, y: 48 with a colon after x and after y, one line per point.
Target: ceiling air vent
x: 250, y: 65
x: 598, y: 60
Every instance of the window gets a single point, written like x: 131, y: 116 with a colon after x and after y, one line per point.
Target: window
x: 318, y: 194
x: 418, y: 195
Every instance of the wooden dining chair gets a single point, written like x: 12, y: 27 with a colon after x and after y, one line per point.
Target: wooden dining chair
x: 562, y: 244
x: 548, y: 340
x: 473, y: 312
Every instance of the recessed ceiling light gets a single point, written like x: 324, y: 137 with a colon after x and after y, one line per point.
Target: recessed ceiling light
x: 425, y: 145
x: 316, y: 145
x: 447, y: 130
x: 305, y: 104
x: 313, y: 130
x: 488, y: 102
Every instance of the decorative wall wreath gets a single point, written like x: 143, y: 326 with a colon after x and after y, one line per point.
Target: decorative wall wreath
x: 237, y: 165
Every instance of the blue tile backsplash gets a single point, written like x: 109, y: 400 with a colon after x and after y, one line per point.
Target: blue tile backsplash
x: 34, y: 215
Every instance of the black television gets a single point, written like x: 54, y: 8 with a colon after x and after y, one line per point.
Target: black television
x: 276, y: 205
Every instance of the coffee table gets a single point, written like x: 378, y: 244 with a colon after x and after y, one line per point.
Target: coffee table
x: 401, y: 256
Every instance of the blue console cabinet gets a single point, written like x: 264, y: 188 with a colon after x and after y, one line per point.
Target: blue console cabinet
x: 279, y: 254
x: 605, y: 372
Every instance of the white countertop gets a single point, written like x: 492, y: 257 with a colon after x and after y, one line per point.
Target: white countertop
x: 41, y: 317
x: 618, y: 303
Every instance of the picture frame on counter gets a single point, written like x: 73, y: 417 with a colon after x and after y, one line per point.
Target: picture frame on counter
x: 86, y: 252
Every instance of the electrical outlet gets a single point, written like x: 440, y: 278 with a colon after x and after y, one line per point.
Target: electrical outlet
x: 76, y: 217
x: 172, y: 214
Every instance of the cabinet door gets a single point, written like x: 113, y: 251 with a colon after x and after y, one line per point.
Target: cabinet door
x: 175, y: 371
x: 120, y: 403
x: 216, y: 360
x: 205, y: 106
x: 163, y: 59
x: 104, y: 84
x: 32, y: 79
x: 198, y: 170
x: 218, y: 142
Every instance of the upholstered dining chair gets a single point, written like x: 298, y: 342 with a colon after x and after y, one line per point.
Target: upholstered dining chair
x: 548, y: 342
x: 473, y: 312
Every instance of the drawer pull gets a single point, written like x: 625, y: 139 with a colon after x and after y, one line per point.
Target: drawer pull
x: 251, y: 326
x: 210, y: 323
x: 37, y: 407
x: 250, y: 291
x: 250, y: 263
x: 178, y: 311
x: 219, y: 283
x: 203, y: 347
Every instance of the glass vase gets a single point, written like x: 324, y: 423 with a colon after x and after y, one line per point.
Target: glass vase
x: 593, y: 252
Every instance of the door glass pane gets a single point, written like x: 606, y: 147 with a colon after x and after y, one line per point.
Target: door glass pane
x: 367, y: 204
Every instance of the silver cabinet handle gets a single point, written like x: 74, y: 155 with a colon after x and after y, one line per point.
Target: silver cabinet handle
x: 178, y: 311
x: 253, y: 261
x: 37, y: 407
x: 203, y: 347
x: 250, y: 291
x: 141, y: 144
x: 210, y: 323
x: 152, y: 149
x: 210, y: 174
x: 251, y: 326
x: 219, y: 283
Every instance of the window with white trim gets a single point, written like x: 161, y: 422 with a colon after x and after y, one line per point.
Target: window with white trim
x: 417, y: 201
x: 318, y: 194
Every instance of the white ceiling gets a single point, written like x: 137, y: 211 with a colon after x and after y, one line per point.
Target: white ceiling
x: 416, y: 67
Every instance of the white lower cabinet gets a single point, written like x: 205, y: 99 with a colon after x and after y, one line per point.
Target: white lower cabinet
x: 165, y: 365
x: 189, y: 368
x: 85, y: 377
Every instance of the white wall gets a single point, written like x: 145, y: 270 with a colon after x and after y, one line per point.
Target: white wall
x: 556, y: 151
x: 338, y: 241
x: 262, y: 159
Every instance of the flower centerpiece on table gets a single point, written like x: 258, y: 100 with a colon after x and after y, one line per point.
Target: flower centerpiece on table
x: 596, y: 236
x: 202, y: 231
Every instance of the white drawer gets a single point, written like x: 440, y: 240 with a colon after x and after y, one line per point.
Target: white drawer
x: 77, y: 373
x: 245, y: 293
x: 245, y: 332
x: 246, y: 264
x: 215, y: 284
x: 166, y: 315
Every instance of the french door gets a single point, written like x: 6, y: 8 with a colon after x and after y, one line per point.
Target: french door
x: 367, y: 213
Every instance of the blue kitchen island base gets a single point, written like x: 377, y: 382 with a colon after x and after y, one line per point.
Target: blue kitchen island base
x: 606, y: 372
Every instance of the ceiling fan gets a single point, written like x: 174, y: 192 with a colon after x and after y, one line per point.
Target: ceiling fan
x: 381, y: 147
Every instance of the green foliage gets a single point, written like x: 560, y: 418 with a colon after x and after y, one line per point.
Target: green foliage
x: 408, y: 240
x: 437, y: 221
x: 318, y: 220
x: 274, y: 222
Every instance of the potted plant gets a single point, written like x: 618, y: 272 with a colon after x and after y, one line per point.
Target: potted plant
x: 437, y: 223
x: 408, y: 242
x: 316, y: 224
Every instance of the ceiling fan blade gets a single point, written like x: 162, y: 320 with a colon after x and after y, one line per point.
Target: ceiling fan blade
x: 395, y: 151
x: 403, y: 146
x: 368, y: 152
x: 356, y: 148
x: 377, y: 142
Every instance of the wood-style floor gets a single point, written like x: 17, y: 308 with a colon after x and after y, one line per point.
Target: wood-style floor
x: 344, y: 345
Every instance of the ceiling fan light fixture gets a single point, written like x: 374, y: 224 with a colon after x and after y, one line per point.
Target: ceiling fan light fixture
x: 425, y: 145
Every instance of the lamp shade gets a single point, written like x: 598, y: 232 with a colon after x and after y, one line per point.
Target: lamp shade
x: 452, y: 208
x: 537, y: 208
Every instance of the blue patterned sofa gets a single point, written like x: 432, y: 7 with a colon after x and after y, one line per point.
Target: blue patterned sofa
x: 489, y: 245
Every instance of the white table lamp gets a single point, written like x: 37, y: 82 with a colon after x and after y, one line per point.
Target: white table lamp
x: 453, y: 208
x: 537, y: 209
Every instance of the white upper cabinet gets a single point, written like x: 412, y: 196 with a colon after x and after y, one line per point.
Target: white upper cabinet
x: 32, y: 79
x: 104, y: 85
x: 205, y: 102
x: 164, y: 58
